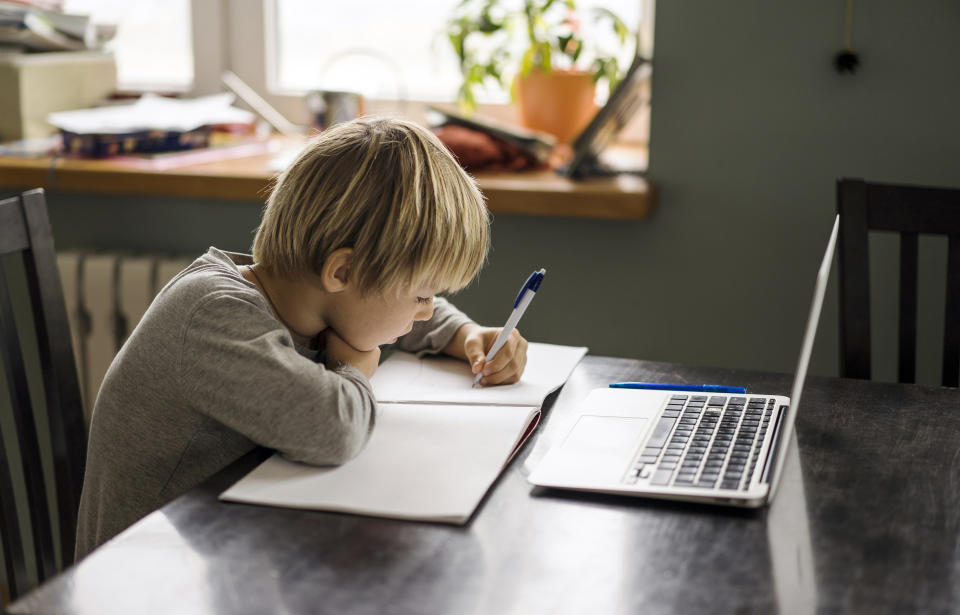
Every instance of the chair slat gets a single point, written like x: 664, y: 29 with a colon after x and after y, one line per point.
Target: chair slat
x: 907, y: 342
x: 14, y: 559
x: 854, y: 280
x: 26, y: 435
x: 13, y: 234
x: 913, y: 209
x: 951, y: 328
x: 67, y: 427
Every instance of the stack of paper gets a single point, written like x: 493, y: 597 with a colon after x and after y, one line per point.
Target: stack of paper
x: 152, y: 112
x: 36, y: 27
x: 151, y: 124
x: 437, y: 446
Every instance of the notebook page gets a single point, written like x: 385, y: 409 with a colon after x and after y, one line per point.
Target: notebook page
x: 405, y: 378
x: 423, y: 461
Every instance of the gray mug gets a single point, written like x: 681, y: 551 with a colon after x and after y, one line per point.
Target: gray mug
x: 330, y: 107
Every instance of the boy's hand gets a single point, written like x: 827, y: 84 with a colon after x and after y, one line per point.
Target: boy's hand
x: 338, y: 351
x: 472, y: 342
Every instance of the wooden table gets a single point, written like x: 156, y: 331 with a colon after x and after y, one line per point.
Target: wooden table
x: 249, y: 178
x: 866, y: 520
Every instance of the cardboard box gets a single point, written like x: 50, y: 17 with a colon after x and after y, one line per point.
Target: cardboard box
x: 33, y: 85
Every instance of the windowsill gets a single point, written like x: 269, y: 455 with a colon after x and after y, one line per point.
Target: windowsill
x: 533, y: 193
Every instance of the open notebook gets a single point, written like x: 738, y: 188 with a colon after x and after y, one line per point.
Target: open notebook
x: 437, y: 446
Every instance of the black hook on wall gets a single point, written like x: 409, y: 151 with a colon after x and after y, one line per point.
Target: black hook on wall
x: 847, y: 60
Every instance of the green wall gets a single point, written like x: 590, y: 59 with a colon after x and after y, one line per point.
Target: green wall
x: 751, y: 126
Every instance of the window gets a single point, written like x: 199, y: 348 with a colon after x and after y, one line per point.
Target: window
x: 385, y: 49
x: 336, y: 45
x: 284, y: 48
x: 153, y: 41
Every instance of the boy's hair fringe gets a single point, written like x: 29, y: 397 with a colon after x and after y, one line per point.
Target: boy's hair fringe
x: 391, y: 191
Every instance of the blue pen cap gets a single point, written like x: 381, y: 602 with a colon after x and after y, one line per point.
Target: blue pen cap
x: 532, y: 284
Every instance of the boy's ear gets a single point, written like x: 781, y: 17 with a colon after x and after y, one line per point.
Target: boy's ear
x: 335, y: 275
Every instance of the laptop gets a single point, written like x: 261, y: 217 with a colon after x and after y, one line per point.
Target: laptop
x: 703, y: 447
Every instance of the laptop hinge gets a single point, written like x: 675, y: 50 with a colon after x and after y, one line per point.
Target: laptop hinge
x: 769, y: 462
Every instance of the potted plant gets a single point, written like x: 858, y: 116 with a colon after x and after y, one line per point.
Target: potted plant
x: 541, y: 50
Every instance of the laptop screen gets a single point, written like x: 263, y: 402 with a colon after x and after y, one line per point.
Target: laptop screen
x: 820, y: 289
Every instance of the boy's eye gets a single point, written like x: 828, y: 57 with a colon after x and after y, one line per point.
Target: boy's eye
x: 424, y: 299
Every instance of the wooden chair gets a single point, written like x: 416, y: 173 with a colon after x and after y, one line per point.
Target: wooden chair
x: 908, y: 210
x: 26, y: 243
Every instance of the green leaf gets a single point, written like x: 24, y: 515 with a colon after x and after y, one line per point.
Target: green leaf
x: 476, y: 73
x: 487, y: 25
x: 619, y: 26
x: 622, y: 32
x: 545, y: 63
x: 538, y: 25
x: 467, y: 100
x: 575, y: 47
x: 526, y: 62
x: 456, y: 41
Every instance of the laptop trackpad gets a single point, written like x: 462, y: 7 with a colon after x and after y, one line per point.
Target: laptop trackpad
x: 598, y: 448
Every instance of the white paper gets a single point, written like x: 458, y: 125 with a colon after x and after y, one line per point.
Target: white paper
x: 405, y: 378
x: 152, y: 112
x: 430, y: 462
x: 433, y: 455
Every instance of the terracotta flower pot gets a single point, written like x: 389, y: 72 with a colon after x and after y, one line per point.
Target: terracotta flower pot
x: 559, y: 102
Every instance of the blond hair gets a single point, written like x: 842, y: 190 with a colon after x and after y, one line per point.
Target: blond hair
x: 389, y: 190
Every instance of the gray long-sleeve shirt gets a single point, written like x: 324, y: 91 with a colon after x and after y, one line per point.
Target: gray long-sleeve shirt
x: 208, y: 375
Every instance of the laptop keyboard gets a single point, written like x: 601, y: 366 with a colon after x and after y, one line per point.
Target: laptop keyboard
x: 705, y: 442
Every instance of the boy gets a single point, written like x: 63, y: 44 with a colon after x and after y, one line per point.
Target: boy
x: 371, y: 221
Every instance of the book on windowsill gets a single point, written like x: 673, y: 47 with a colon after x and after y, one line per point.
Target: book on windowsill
x: 437, y: 446
x: 165, y: 161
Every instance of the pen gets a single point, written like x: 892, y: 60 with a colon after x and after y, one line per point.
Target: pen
x: 524, y: 297
x: 699, y: 388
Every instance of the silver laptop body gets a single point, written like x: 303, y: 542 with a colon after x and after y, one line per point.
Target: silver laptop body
x: 703, y: 447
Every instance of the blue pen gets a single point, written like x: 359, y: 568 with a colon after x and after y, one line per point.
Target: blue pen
x: 697, y: 388
x: 524, y: 297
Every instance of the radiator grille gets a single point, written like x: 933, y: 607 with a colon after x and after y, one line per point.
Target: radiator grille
x: 106, y: 295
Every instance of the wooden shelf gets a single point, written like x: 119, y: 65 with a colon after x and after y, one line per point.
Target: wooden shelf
x: 542, y: 193
x: 545, y: 193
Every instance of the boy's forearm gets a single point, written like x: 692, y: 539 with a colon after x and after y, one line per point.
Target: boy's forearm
x: 338, y: 351
x: 455, y: 348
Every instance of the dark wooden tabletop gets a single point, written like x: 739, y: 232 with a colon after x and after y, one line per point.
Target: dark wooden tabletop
x: 866, y: 520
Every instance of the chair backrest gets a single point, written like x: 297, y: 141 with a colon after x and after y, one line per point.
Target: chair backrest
x: 909, y: 211
x: 26, y: 235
